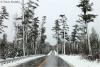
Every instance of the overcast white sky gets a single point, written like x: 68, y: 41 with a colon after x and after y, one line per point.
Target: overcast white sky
x: 52, y: 9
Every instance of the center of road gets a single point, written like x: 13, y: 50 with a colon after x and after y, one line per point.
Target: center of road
x: 53, y: 61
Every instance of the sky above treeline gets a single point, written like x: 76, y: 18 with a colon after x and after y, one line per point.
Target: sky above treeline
x: 52, y: 9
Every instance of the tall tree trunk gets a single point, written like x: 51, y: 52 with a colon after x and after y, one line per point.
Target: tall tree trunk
x: 35, y: 46
x: 62, y: 49
x: 88, y: 40
x: 23, y: 27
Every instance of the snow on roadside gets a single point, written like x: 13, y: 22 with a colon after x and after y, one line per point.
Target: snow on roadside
x: 22, y: 61
x: 52, y: 52
x: 77, y: 61
x: 55, y: 52
x: 1, y: 59
x: 49, y: 53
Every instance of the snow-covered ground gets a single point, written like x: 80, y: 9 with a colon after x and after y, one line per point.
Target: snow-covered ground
x: 77, y: 61
x: 1, y: 60
x: 49, y: 53
x: 52, y: 52
x: 22, y: 61
x: 55, y: 52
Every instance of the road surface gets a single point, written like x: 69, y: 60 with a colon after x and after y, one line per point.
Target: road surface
x: 53, y: 61
x: 49, y: 61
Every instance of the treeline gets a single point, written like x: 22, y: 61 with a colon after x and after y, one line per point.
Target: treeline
x: 79, y: 41
x: 29, y: 33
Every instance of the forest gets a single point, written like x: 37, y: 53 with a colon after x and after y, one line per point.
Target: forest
x: 30, y: 34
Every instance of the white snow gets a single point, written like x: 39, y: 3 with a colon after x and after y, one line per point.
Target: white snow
x: 12, y: 64
x: 49, y: 53
x: 1, y: 59
x: 55, y: 52
x: 52, y: 52
x: 77, y: 61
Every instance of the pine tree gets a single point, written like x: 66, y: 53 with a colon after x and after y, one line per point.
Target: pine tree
x: 86, y: 17
x: 3, y: 47
x: 94, y: 38
x: 34, y: 32
x: 25, y: 30
x: 64, y: 31
x: 3, y: 15
x: 57, y: 29
x: 42, y: 36
x: 29, y: 22
x: 75, y: 36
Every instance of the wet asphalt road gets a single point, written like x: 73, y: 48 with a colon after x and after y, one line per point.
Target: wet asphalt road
x: 54, y: 61
x: 49, y: 61
x: 33, y: 63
